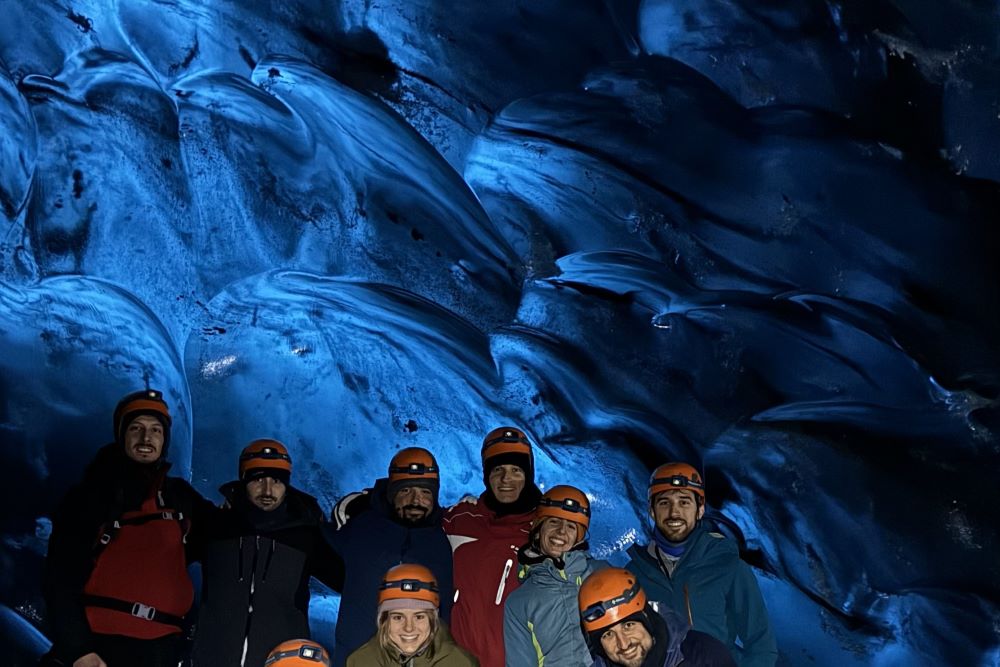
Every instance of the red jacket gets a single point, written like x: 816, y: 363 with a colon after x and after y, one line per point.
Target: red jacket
x: 484, y: 548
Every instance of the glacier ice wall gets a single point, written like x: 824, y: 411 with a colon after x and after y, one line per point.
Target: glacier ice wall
x: 759, y: 236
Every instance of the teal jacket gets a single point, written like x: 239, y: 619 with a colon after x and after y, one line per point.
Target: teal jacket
x: 715, y: 591
x: 541, y: 621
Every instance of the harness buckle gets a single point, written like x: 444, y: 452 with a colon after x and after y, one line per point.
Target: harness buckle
x: 140, y: 610
x: 105, y: 539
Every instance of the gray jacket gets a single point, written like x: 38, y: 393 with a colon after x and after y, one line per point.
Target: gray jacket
x: 541, y: 623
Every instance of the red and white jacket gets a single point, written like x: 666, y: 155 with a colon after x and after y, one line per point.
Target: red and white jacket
x: 484, y: 549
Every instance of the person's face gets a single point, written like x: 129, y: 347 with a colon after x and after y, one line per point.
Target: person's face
x: 675, y: 513
x: 409, y: 629
x: 413, y: 503
x: 507, y: 482
x: 556, y: 536
x: 627, y: 643
x: 144, y: 439
x: 267, y: 493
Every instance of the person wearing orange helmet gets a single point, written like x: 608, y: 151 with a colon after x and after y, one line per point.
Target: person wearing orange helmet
x: 265, y: 545
x: 401, y: 523
x: 116, y: 584
x: 298, y: 653
x: 485, y: 536
x: 698, y: 573
x: 541, y: 624
x: 409, y: 633
x: 623, y: 628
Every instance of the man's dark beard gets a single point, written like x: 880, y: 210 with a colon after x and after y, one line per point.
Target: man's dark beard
x: 401, y: 513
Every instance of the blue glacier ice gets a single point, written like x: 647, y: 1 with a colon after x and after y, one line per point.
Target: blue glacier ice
x: 758, y: 236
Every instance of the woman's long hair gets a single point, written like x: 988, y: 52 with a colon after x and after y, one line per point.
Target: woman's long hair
x: 392, y: 649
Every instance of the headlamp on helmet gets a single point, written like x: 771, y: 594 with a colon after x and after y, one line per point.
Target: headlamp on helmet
x: 674, y: 477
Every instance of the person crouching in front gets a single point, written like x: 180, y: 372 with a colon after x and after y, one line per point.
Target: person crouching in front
x: 410, y: 634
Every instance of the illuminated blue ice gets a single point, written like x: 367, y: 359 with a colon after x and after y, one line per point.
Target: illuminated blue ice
x: 759, y: 238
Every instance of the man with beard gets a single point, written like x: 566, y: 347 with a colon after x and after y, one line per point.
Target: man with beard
x: 264, y: 547
x: 485, y: 536
x: 402, y: 524
x: 115, y: 582
x: 622, y: 628
x: 698, y: 573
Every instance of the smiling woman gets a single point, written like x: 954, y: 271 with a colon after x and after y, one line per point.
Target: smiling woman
x: 409, y: 631
x: 541, y: 624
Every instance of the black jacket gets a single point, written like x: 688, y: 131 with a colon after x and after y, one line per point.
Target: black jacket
x: 112, y: 485
x: 255, y: 578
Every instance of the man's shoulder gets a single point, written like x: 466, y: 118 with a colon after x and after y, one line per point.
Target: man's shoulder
x: 177, y: 490
x: 468, y: 511
x: 717, y: 548
x: 305, y: 505
x: 639, y: 557
x: 82, y: 503
x: 351, y: 506
x: 592, y: 564
x: 703, y: 649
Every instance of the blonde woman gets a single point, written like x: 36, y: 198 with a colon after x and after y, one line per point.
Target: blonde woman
x: 410, y: 634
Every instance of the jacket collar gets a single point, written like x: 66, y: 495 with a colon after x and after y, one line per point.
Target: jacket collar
x: 544, y: 570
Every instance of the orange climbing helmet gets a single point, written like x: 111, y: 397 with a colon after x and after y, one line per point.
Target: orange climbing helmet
x: 413, y: 466
x: 608, y: 597
x: 505, y: 440
x: 409, y: 582
x: 146, y: 402
x: 265, y: 457
x: 676, y: 476
x: 298, y: 653
x: 565, y: 502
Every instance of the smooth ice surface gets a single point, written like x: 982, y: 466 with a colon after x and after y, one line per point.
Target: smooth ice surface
x: 757, y: 236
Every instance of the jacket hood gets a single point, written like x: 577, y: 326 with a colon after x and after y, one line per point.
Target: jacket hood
x: 504, y: 519
x: 671, y: 633
x: 111, y: 464
x: 526, y: 502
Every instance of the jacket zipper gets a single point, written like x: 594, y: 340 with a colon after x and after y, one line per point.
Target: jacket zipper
x: 253, y: 587
x: 687, y: 603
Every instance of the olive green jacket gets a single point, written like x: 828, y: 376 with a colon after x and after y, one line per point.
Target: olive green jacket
x: 443, y: 652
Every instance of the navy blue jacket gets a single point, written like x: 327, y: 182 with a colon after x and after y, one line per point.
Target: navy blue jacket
x: 371, y: 543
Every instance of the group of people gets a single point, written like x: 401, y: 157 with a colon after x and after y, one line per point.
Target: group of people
x: 502, y: 580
